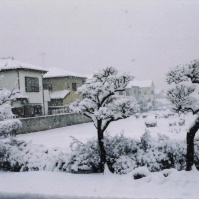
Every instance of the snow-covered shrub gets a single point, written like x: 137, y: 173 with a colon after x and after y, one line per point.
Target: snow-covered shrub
x: 10, y: 127
x: 2, y: 150
x: 151, y: 122
x: 118, y: 146
x: 125, y: 154
x: 6, y: 111
x: 172, y: 123
x: 124, y: 165
x: 25, y: 156
x: 161, y: 153
x: 168, y: 114
x: 144, y: 115
x: 84, y: 157
x: 140, y: 172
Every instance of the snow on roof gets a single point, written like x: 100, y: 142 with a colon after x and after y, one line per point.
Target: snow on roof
x: 57, y: 72
x: 59, y: 94
x: 10, y: 64
x: 20, y: 96
x: 141, y: 84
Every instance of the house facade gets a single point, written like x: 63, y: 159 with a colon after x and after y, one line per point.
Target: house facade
x: 160, y: 94
x: 62, y: 86
x: 138, y: 89
x: 28, y: 79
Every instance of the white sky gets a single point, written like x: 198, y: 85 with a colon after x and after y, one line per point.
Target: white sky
x: 145, y: 38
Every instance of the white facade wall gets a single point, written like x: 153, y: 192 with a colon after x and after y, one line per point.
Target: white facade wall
x: 149, y: 92
x: 34, y: 97
x: 9, y: 80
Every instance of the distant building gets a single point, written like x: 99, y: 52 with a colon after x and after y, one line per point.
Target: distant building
x: 27, y: 79
x: 138, y: 89
x: 62, y: 86
x: 159, y: 94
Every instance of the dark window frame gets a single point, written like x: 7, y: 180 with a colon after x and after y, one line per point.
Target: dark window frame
x: 32, y: 84
x: 48, y: 87
x: 74, y: 86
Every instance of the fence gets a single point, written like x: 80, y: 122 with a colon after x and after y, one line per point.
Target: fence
x: 54, y: 110
x: 42, y: 123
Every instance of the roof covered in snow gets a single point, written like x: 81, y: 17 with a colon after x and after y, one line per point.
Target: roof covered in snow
x: 20, y: 96
x: 57, y: 72
x: 141, y: 84
x: 10, y: 64
x: 59, y: 94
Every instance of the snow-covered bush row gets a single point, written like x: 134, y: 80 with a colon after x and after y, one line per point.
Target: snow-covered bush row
x: 164, y: 114
x: 24, y: 156
x: 9, y: 127
x: 124, y: 154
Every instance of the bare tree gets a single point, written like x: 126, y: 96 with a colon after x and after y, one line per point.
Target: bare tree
x: 102, y: 105
x: 184, y: 97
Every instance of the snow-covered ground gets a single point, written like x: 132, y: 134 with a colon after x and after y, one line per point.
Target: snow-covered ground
x: 178, y: 184
x: 131, y: 127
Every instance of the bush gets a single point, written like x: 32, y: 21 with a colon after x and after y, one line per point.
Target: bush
x: 25, y: 156
x: 144, y: 115
x: 10, y: 127
x: 151, y: 122
x: 140, y: 172
x: 84, y: 157
x: 124, y: 165
x: 124, y: 154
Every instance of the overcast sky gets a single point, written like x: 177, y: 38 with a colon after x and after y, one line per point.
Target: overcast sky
x: 145, y: 38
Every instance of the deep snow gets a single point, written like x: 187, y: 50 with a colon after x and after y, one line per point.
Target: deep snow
x: 178, y: 184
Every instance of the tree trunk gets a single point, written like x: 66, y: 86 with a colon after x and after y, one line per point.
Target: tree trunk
x: 100, y: 134
x: 190, y: 144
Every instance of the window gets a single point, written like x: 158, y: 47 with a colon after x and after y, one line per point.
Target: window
x: 48, y: 87
x: 32, y: 84
x: 74, y: 86
x: 152, y: 92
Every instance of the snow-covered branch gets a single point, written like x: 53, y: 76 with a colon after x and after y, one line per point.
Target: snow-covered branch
x: 100, y: 102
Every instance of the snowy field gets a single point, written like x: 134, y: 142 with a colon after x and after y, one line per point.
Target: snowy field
x: 131, y: 127
x: 45, y: 184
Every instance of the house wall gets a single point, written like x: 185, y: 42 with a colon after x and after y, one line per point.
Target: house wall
x: 149, y: 91
x: 133, y: 91
x: 42, y: 123
x: 65, y: 83
x: 34, y: 97
x: 9, y: 80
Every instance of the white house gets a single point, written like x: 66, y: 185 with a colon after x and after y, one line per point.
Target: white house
x: 139, y: 88
x: 28, y: 79
x: 160, y: 93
